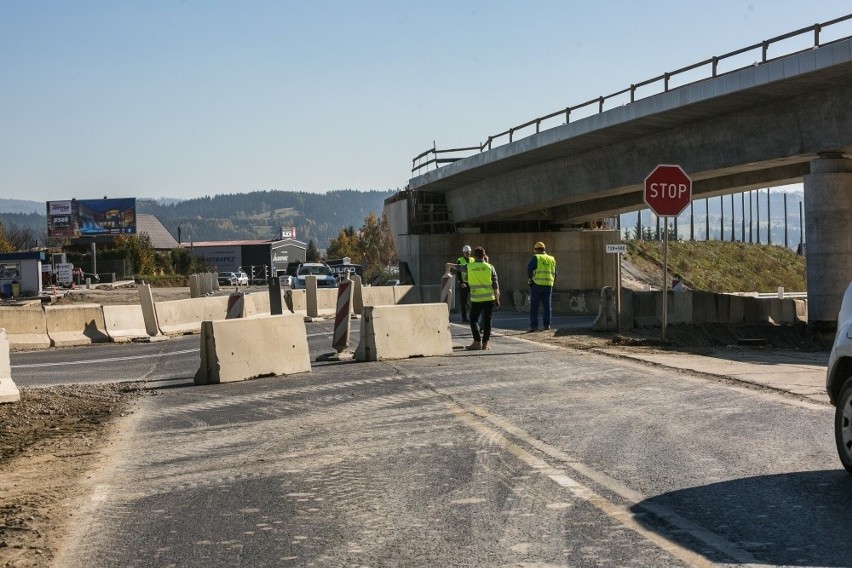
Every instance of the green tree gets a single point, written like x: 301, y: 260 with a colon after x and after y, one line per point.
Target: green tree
x: 376, y: 246
x: 346, y: 244
x: 312, y: 253
x: 5, y: 245
x: 185, y: 263
x: 139, y: 251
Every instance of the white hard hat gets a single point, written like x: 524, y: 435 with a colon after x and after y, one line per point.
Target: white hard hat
x: 466, y: 248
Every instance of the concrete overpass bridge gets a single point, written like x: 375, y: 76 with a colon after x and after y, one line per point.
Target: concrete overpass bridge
x: 779, y: 120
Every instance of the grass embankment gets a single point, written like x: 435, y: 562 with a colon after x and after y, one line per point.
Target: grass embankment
x: 717, y: 266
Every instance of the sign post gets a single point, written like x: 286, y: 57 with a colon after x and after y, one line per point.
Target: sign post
x: 618, y: 250
x: 668, y: 190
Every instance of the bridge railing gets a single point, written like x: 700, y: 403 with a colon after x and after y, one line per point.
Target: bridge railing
x: 437, y: 158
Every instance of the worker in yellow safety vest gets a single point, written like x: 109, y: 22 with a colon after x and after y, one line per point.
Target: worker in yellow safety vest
x: 484, y: 297
x: 463, y: 287
x: 541, y: 272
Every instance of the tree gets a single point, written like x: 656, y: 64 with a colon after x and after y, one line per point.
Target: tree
x: 139, y: 251
x: 183, y: 262
x: 5, y: 245
x: 346, y: 244
x: 376, y: 246
x: 312, y: 253
x: 21, y: 238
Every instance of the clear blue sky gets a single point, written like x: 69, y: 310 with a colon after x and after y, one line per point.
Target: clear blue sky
x: 183, y: 99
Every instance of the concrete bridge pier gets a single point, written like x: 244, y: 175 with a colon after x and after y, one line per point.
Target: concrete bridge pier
x: 828, y: 235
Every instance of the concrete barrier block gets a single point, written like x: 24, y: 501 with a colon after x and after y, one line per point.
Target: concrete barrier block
x: 607, y: 317
x: 242, y: 349
x: 801, y: 310
x: 326, y: 302
x: 149, y: 311
x: 177, y: 317
x: 124, y: 323
x: 430, y: 294
x: 645, y: 310
x: 26, y: 327
x: 8, y: 390
x: 736, y: 308
x: 755, y: 310
x: 792, y: 310
x: 703, y: 306
x: 679, y: 307
x: 378, y: 296
x: 400, y: 332
x: 405, y: 294
x: 80, y: 324
x: 256, y: 304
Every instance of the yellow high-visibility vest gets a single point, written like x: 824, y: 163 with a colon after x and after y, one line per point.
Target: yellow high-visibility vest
x: 462, y: 260
x: 545, y: 270
x: 479, y: 279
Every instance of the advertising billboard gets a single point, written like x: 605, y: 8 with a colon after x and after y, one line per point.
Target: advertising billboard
x: 91, y: 217
x: 222, y: 258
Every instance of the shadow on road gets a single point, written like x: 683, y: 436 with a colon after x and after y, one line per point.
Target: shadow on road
x: 794, y: 519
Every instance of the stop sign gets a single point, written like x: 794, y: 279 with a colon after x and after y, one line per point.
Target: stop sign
x: 668, y: 190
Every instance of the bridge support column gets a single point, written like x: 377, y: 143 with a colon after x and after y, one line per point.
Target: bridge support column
x: 828, y: 236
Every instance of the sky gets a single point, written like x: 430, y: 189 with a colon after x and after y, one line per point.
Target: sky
x: 183, y: 99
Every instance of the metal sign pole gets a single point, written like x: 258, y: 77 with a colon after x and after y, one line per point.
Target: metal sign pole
x: 618, y: 294
x: 665, y: 275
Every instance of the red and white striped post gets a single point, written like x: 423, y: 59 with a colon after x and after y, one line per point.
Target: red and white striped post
x: 340, y: 340
x: 447, y: 287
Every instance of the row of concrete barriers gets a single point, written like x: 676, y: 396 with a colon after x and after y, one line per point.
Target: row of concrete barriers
x: 34, y: 326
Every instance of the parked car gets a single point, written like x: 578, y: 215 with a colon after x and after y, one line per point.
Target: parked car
x: 325, y: 277
x: 838, y: 381
x: 392, y: 283
x: 233, y: 279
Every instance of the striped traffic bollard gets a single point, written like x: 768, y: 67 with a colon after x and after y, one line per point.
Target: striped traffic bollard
x: 340, y: 339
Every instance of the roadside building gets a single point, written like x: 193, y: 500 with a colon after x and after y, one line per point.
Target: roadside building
x: 20, y: 274
x: 260, y: 259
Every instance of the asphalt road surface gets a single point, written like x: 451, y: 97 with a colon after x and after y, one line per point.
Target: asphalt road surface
x: 524, y: 455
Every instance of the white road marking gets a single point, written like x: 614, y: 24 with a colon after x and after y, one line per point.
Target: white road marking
x: 104, y: 360
x: 479, y: 419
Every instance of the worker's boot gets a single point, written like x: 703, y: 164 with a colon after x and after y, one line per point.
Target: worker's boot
x: 475, y: 346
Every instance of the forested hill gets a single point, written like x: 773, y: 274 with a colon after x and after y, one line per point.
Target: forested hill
x: 261, y: 214
x: 255, y: 215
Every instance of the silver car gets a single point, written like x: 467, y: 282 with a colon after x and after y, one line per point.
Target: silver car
x: 839, y: 381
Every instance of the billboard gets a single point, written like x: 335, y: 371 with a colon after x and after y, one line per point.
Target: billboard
x: 223, y: 258
x: 91, y: 217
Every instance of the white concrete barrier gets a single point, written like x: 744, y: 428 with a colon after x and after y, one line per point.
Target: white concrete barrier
x: 399, y: 332
x: 124, y: 323
x: 377, y: 296
x: 298, y: 299
x: 149, y: 311
x: 242, y: 349
x: 78, y: 324
x: 256, y: 304
x: 323, y: 304
x: 177, y: 317
x: 26, y: 327
x: 406, y: 294
x: 8, y: 390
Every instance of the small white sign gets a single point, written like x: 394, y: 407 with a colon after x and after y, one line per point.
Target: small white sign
x: 616, y: 249
x: 63, y: 273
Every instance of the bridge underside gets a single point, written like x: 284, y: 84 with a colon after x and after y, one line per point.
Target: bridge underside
x: 583, y: 179
x: 750, y: 129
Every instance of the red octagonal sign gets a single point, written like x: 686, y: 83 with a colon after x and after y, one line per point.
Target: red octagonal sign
x: 668, y: 190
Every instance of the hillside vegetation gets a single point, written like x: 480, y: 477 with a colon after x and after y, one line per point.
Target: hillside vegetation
x: 722, y: 266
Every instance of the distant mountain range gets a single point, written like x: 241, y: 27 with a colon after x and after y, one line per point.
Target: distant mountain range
x: 255, y: 215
